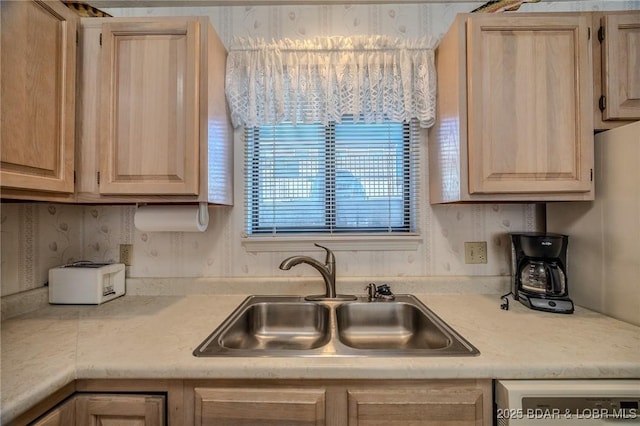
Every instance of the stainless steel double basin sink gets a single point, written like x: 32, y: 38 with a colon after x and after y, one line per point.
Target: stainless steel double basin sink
x: 267, y: 326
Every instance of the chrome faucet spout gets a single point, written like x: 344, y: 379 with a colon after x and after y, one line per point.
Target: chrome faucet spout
x: 327, y: 270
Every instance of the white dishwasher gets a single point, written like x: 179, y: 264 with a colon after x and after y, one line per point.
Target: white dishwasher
x: 567, y: 402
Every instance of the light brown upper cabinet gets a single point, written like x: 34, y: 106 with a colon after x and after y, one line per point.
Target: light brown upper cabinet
x: 38, y: 99
x: 616, y: 51
x: 153, y: 122
x: 514, y: 110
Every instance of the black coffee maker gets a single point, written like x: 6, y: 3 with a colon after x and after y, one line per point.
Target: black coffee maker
x: 539, y: 267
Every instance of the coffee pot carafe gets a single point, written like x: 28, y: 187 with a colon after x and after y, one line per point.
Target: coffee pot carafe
x: 539, y: 271
x: 539, y: 276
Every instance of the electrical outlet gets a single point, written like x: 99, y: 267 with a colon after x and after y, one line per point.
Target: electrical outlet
x: 126, y: 254
x: 475, y: 252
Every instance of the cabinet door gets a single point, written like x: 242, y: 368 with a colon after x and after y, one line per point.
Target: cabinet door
x: 63, y: 415
x: 621, y: 66
x: 530, y: 122
x: 121, y: 410
x: 259, y: 407
x: 415, y: 407
x: 38, y: 93
x: 149, y: 141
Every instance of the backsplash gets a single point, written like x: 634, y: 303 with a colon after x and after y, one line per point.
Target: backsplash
x: 38, y: 236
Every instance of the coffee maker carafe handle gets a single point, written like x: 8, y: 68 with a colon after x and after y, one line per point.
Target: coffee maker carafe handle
x: 556, y: 277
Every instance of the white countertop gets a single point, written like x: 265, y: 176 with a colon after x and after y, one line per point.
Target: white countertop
x: 153, y: 337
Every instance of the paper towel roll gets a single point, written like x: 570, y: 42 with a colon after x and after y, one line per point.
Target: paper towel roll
x: 182, y: 218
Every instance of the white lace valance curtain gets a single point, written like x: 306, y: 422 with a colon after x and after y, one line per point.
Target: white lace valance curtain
x: 321, y: 79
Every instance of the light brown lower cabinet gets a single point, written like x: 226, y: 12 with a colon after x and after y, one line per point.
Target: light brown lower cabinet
x: 107, y: 409
x: 63, y: 414
x: 341, y: 403
x: 121, y: 410
x: 266, y: 406
x: 269, y: 403
x: 426, y: 407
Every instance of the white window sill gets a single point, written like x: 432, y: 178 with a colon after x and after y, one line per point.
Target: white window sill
x: 347, y: 242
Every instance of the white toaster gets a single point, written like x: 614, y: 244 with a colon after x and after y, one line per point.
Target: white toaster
x: 86, y: 283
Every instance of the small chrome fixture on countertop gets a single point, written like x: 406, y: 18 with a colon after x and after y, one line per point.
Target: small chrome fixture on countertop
x: 382, y: 292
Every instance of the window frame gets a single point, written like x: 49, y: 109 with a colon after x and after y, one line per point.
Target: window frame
x: 402, y: 237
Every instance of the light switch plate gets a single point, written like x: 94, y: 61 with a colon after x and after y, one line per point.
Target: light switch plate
x: 475, y: 252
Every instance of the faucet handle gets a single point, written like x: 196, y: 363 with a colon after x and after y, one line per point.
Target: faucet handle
x: 330, y: 258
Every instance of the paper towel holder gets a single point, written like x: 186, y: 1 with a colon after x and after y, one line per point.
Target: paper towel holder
x: 201, y: 221
x: 203, y: 213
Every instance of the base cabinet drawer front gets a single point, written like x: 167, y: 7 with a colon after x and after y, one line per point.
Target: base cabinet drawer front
x: 415, y: 407
x: 121, y: 410
x: 259, y: 407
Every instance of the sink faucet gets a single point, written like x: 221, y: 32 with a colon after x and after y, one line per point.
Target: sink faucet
x: 327, y: 270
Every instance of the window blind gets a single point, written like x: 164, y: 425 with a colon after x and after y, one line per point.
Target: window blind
x: 341, y: 177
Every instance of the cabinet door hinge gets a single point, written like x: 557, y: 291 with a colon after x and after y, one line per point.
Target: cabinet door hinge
x: 98, y: 177
x: 602, y: 103
x: 601, y: 34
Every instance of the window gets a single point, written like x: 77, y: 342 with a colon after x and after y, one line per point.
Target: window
x: 343, y: 177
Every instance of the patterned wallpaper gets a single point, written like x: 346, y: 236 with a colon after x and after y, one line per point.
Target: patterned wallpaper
x: 38, y: 236
x: 393, y: 19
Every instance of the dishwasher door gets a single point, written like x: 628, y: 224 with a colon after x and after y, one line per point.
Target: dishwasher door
x: 567, y: 402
